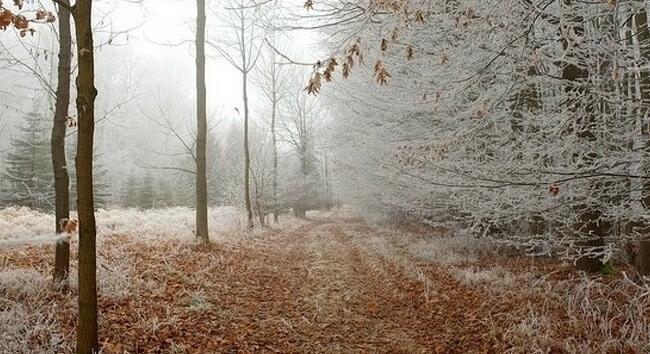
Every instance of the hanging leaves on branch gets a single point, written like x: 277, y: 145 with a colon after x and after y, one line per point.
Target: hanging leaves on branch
x: 381, y: 74
x: 354, y: 54
x: 314, y: 84
x: 21, y: 22
x: 329, y: 70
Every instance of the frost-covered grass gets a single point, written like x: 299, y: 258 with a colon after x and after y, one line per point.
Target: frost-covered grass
x: 127, y: 241
x: 21, y: 284
x: 28, y: 322
x: 450, y: 250
x: 496, y: 276
x: 25, y: 329
x: 580, y: 315
x: 145, y: 252
x: 572, y: 313
x: 23, y: 225
x: 165, y: 223
x: 343, y: 213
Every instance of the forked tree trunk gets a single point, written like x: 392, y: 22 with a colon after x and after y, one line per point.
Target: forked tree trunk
x: 201, y: 128
x: 59, y: 164
x: 87, y: 342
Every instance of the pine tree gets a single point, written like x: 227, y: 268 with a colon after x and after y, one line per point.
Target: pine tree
x: 146, y: 194
x: 101, y: 186
x: 231, y: 167
x: 215, y: 182
x: 29, y: 167
x: 184, y: 184
x: 129, y: 195
x: 164, y: 195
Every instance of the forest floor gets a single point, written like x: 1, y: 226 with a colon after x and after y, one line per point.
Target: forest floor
x: 326, y: 285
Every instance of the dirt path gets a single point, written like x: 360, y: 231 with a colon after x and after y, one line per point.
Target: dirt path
x: 321, y: 286
x: 319, y: 289
x: 329, y: 286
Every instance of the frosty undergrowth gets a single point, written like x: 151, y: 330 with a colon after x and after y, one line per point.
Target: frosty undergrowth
x: 23, y: 225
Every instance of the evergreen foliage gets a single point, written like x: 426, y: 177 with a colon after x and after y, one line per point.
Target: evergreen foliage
x: 28, y: 175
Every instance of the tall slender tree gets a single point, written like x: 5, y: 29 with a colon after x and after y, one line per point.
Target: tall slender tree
x: 242, y: 51
x: 59, y: 164
x: 201, y: 128
x: 273, y: 79
x: 642, y: 260
x: 300, y: 122
x: 87, y: 341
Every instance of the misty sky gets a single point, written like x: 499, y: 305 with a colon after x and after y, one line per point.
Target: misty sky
x: 161, y: 32
x: 148, y: 62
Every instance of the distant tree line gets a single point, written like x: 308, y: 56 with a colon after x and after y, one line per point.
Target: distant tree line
x: 27, y: 179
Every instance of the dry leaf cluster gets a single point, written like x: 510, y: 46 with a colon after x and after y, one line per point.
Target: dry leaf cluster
x: 354, y: 55
x: 21, y: 22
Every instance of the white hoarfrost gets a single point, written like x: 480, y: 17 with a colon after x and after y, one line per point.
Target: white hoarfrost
x: 23, y: 225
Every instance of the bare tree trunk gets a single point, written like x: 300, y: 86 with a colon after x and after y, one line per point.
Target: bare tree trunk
x: 62, y: 264
x: 275, y: 150
x: 641, y: 261
x: 59, y: 164
x: 591, y: 226
x: 301, y: 205
x: 528, y: 100
x: 643, y: 36
x: 87, y: 342
x: 328, y: 185
x: 247, y: 161
x: 201, y: 128
x: 259, y: 209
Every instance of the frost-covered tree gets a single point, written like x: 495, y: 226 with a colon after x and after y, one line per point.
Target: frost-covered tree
x: 299, y: 122
x: 129, y: 193
x: 274, y: 80
x: 28, y: 166
x: 200, y: 156
x: 147, y: 193
x: 100, y: 184
x: 241, y: 47
x: 232, y: 168
x: 518, y: 119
